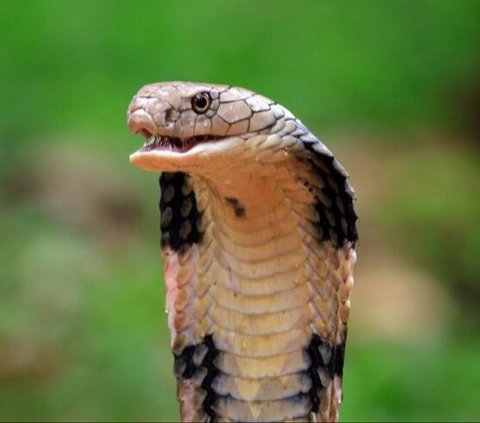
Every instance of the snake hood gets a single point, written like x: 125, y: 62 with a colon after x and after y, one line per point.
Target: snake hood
x: 258, y: 237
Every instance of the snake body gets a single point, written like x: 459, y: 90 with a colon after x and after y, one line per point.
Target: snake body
x: 258, y: 239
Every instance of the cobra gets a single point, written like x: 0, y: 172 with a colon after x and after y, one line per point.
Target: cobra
x: 258, y: 241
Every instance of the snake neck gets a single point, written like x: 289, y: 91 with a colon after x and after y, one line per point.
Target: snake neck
x: 252, y: 337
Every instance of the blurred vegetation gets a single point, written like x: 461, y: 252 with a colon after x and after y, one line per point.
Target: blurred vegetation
x: 392, y: 87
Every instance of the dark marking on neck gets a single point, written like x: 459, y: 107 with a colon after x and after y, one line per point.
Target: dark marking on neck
x: 212, y: 371
x: 179, y: 213
x: 238, y: 208
x: 339, y: 359
x: 338, y: 218
x: 324, y: 358
x: 192, y: 360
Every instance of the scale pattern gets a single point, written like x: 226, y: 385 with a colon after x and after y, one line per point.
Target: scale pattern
x: 258, y: 240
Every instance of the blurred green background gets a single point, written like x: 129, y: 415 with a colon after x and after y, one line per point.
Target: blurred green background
x: 393, y: 88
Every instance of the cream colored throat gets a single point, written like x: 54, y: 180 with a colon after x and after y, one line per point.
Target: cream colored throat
x: 252, y: 260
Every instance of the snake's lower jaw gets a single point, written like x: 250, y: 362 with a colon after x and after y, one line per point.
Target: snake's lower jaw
x: 159, y: 161
x: 205, y: 157
x: 171, y: 159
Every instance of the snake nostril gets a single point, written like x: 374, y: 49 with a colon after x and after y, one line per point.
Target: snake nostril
x: 171, y: 116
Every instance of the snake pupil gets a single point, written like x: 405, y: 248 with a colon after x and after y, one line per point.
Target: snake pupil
x: 201, y: 102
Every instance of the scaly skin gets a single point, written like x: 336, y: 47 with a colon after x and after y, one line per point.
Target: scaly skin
x: 258, y: 237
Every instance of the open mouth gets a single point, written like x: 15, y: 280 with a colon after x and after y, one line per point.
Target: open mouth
x: 167, y: 143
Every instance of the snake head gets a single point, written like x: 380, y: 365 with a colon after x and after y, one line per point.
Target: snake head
x: 186, y: 124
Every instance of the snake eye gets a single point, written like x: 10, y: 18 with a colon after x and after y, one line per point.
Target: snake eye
x: 201, y: 102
